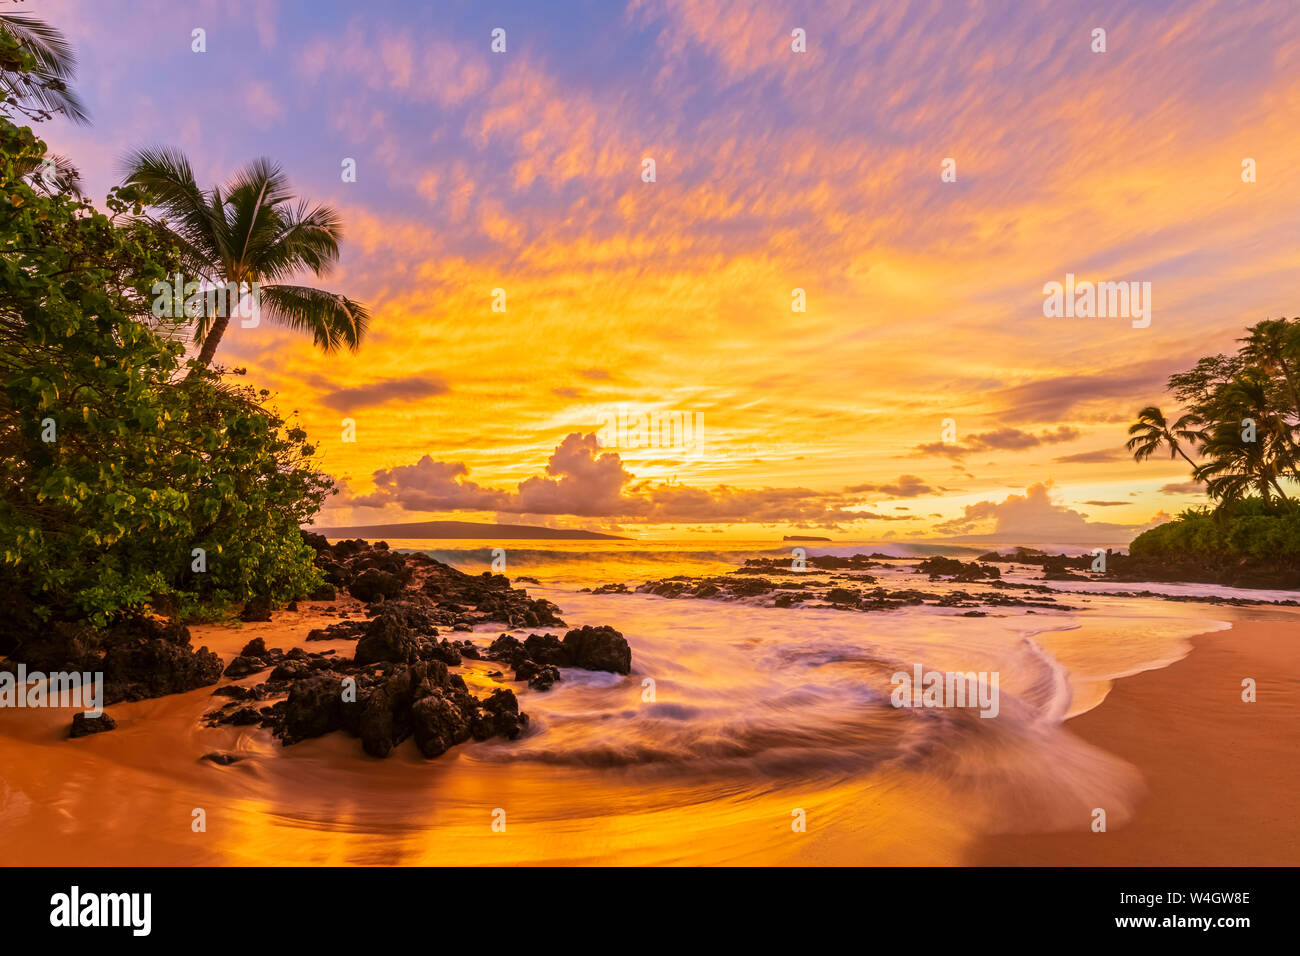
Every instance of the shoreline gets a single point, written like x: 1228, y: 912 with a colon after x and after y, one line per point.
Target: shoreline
x: 1221, y: 776
x: 1170, y: 745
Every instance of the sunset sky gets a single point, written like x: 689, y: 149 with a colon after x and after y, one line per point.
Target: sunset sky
x: 775, y: 170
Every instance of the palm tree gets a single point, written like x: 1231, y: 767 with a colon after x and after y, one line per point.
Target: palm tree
x: 1152, y: 431
x: 250, y: 230
x: 43, y: 90
x: 1236, y: 467
x: 1274, y: 346
x: 1235, y: 464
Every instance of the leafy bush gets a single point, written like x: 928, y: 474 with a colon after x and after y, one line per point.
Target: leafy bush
x: 1245, y: 529
x: 114, y: 465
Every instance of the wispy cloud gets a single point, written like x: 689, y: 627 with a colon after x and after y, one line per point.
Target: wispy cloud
x: 775, y: 171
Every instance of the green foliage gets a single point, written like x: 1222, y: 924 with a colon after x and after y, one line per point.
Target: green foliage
x: 146, y: 464
x: 1246, y: 529
x: 1242, y: 419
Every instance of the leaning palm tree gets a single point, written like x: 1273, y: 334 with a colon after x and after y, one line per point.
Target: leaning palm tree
x: 251, y: 230
x: 42, y: 90
x: 1152, y: 431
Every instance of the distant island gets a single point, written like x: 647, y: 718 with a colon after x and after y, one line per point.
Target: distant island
x: 803, y: 537
x: 463, y: 529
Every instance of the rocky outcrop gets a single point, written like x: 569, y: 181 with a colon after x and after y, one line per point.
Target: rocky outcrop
x: 939, y: 566
x: 382, y: 707
x: 314, y: 708
x: 1176, y: 568
x: 598, y: 649
x: 244, y: 666
x: 61, y: 646
x: 397, y: 685
x: 538, y: 657
x: 146, y: 658
x: 812, y: 562
x: 387, y: 638
x: 375, y: 585
x: 841, y: 584
x: 538, y: 676
x: 453, y: 599
x: 140, y: 657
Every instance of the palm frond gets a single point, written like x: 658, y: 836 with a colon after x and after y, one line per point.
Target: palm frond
x: 49, y: 174
x: 333, y: 320
x: 251, y: 230
x: 46, y: 88
x: 309, y: 238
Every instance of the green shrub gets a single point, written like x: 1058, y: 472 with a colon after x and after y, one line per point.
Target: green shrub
x: 1245, y: 529
x: 145, y: 464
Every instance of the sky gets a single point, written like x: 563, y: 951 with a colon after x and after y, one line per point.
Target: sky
x: 921, y: 391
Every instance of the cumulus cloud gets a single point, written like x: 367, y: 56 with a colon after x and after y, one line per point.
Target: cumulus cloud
x: 1032, y: 517
x: 1159, y: 518
x: 583, y: 480
x: 430, y: 485
x: 580, y: 480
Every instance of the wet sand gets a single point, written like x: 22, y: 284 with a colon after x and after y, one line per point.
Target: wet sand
x: 1222, y: 776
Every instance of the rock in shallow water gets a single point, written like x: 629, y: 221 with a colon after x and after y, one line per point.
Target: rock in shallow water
x: 398, y: 685
x: 314, y: 708
x: 83, y: 725
x: 243, y: 666
x: 222, y: 758
x: 539, y: 676
x: 546, y: 649
x: 598, y: 649
x: 438, y: 724
x: 589, y: 648
x: 148, y: 659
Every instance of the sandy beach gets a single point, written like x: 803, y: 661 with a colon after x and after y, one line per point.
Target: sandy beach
x: 1188, y: 772
x: 1222, y: 779
x: 1216, y: 781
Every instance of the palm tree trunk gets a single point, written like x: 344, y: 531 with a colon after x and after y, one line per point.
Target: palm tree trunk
x: 1174, y: 444
x: 213, y: 339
